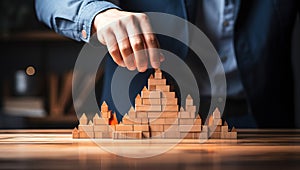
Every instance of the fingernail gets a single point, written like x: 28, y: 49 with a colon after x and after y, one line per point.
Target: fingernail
x: 131, y: 68
x: 155, y: 64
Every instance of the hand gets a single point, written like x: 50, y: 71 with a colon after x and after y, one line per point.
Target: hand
x: 126, y: 35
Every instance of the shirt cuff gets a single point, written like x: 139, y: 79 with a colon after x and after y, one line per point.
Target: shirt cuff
x: 87, y: 15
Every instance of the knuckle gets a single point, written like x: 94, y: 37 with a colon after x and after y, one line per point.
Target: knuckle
x: 114, y: 51
x: 151, y: 39
x: 143, y: 16
x: 137, y: 44
x: 130, y: 19
x: 125, y: 49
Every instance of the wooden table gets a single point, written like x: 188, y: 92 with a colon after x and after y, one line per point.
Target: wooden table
x: 55, y: 149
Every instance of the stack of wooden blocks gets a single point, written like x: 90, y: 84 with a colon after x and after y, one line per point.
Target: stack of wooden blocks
x: 156, y: 115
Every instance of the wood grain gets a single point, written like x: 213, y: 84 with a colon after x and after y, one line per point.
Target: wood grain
x: 55, y: 149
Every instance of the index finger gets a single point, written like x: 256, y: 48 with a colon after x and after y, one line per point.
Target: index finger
x: 151, y: 41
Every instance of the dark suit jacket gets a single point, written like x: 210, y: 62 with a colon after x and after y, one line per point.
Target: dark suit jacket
x: 262, y: 41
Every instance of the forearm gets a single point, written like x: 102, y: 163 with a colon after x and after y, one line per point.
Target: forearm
x: 71, y: 18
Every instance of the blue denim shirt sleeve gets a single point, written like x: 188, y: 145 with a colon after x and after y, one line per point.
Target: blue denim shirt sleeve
x: 71, y: 17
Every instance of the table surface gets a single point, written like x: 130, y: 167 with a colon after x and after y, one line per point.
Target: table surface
x: 55, y: 149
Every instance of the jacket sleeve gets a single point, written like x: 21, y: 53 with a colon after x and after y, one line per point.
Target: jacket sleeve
x: 71, y: 17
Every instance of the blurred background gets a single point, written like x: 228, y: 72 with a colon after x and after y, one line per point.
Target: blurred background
x: 36, y: 67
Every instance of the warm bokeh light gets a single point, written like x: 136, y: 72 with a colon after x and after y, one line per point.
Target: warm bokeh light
x: 30, y: 70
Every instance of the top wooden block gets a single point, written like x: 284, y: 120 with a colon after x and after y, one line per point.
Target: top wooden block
x: 158, y: 74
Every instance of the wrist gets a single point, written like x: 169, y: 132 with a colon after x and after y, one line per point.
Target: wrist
x: 100, y: 18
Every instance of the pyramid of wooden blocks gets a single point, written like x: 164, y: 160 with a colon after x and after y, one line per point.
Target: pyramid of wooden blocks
x: 156, y: 115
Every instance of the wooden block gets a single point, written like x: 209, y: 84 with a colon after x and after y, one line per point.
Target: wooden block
x: 104, y: 107
x: 134, y: 135
x: 186, y: 121
x: 151, y: 101
x: 171, y: 121
x: 83, y: 120
x: 217, y: 114
x: 130, y: 121
x: 147, y: 108
x: 224, y: 128
x: 101, y: 121
x: 217, y: 121
x: 101, y: 128
x: 157, y: 82
x: 171, y: 134
x: 142, y: 128
x: 190, y: 128
x: 106, y: 114
x: 131, y: 113
x: 186, y: 135
x: 163, y: 88
x: 145, y: 134
x: 158, y: 74
x: 151, y: 87
x: 184, y: 114
x: 121, y: 127
x: 189, y: 101
x: 144, y: 121
x: 157, y: 121
x: 169, y: 101
x: 196, y: 135
x: 127, y: 121
x: 157, y: 135
x: 168, y: 94
x: 169, y: 114
x: 233, y: 135
x: 75, y: 133
x: 107, y: 134
x: 141, y: 114
x: 171, y: 128
x: 197, y: 121
x: 138, y: 100
x: 203, y: 135
x: 98, y: 135
x: 191, y: 109
x: 224, y: 135
x: 204, y: 128
x: 119, y: 135
x: 214, y: 128
x: 215, y: 135
x: 210, y: 120
x: 154, y: 114
x: 156, y: 128
x: 86, y: 135
x: 151, y: 95
x: 168, y: 108
x: 87, y: 128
